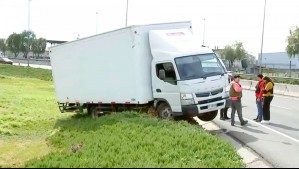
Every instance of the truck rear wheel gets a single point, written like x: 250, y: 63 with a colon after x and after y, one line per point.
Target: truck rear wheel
x: 165, y: 112
x: 93, y: 111
x: 208, y: 116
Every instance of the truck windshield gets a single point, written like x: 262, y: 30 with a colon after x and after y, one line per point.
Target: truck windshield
x: 198, y: 66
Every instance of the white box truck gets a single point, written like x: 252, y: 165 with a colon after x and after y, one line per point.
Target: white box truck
x: 160, y: 66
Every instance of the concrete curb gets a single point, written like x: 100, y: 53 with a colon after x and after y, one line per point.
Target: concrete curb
x: 250, y: 158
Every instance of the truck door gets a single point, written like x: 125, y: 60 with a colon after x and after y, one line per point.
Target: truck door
x: 165, y: 85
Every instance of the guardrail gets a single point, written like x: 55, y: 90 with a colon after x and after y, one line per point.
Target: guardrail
x: 273, y: 77
x: 32, y: 61
x: 279, y: 88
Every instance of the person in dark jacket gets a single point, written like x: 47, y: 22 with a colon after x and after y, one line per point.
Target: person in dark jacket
x: 223, y: 112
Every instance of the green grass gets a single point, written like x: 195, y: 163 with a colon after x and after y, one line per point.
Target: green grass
x: 35, y: 134
x: 25, y: 72
x: 135, y: 140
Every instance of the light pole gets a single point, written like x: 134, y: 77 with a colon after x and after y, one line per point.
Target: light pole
x: 204, y: 32
x: 97, y: 22
x: 263, y: 37
x: 28, y: 44
x: 127, y: 13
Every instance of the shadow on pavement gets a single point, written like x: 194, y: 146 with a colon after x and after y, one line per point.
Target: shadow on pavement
x: 247, y: 128
x: 283, y: 126
x: 246, y: 138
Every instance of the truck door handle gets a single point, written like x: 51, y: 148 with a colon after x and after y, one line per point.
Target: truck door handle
x: 158, y: 90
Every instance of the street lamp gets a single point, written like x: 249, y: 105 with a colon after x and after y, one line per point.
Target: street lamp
x: 97, y: 22
x: 127, y: 13
x: 204, y: 31
x: 28, y: 44
x: 263, y: 37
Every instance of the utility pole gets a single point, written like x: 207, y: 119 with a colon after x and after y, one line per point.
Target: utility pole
x: 28, y: 44
x: 204, y: 32
x: 290, y: 69
x: 127, y: 13
x: 261, y: 60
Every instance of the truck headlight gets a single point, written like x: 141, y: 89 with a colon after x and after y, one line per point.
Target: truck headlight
x: 187, y: 99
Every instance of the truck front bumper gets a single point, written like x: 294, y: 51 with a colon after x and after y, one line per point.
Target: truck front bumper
x: 195, y: 110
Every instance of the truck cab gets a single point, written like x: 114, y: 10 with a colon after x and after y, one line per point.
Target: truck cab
x: 187, y: 79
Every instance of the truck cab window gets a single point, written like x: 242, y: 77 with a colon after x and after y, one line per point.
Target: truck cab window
x: 170, y: 76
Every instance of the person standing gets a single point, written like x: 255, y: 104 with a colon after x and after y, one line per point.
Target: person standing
x: 259, y: 97
x: 267, y: 99
x: 235, y: 93
x: 223, y: 112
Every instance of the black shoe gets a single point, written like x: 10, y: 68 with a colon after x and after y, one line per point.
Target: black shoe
x: 222, y: 118
x: 258, y: 120
x: 244, y: 123
x: 226, y: 118
x: 232, y: 124
x: 255, y: 119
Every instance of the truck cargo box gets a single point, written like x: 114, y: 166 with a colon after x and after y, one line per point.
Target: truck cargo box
x: 113, y: 67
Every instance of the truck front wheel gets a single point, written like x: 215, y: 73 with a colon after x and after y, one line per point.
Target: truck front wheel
x: 208, y: 116
x: 165, y: 112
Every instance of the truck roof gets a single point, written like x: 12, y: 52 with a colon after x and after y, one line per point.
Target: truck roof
x: 129, y: 27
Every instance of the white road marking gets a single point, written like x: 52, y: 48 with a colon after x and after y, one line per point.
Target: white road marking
x: 281, y: 107
x: 275, y: 131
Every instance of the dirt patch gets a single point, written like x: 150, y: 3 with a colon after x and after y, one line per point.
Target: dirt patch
x: 14, y: 153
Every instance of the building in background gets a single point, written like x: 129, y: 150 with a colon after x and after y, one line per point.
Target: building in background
x: 279, y: 60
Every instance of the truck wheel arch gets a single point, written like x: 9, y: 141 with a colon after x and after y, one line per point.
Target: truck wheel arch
x: 157, y: 102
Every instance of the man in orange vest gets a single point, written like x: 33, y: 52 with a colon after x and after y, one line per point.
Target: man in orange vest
x: 235, y: 93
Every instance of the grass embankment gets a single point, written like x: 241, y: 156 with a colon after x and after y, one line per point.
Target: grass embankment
x: 34, y: 134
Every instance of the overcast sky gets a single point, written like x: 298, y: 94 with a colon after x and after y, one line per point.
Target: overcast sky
x: 226, y: 21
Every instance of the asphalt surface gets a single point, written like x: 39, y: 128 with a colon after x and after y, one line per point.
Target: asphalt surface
x: 33, y: 65
x: 277, y: 142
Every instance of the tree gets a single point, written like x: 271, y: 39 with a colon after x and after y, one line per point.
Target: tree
x: 293, y: 43
x: 233, y: 53
x: 240, y: 51
x: 229, y: 54
x: 14, y: 43
x: 27, y: 36
x: 3, y: 46
x: 39, y: 46
x: 251, y: 59
x: 244, y: 63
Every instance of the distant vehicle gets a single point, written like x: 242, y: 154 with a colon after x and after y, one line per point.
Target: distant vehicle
x: 6, y: 61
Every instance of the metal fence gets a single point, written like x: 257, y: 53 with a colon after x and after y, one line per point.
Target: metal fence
x: 45, y: 62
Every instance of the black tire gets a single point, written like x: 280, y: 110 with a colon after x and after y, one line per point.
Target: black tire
x: 165, y: 112
x: 92, y: 111
x: 209, y: 116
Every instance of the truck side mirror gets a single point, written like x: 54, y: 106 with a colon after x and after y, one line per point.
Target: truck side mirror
x: 162, y: 74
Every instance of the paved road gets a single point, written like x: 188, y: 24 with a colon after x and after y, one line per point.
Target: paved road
x: 33, y: 65
x: 277, y: 142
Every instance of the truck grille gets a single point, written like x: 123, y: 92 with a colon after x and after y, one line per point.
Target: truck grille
x: 211, y: 93
x: 210, y: 100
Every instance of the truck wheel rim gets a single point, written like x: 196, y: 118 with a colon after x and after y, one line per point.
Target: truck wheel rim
x: 166, y: 114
